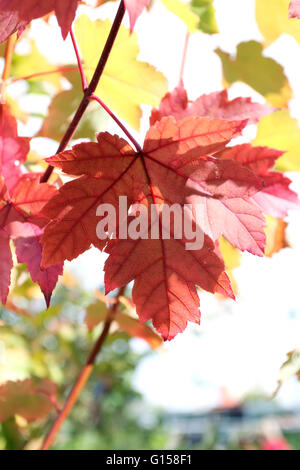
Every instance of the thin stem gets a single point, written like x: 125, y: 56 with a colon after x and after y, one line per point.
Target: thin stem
x: 186, y: 45
x: 117, y: 120
x: 82, y: 377
x: 9, y: 52
x: 41, y: 74
x: 80, y: 67
x: 91, y: 88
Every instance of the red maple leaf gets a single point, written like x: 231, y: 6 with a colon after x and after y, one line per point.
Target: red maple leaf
x: 176, y: 164
x: 275, y: 198
x: 294, y: 9
x: 16, y: 15
x: 215, y: 105
x: 18, y: 212
x: 13, y: 149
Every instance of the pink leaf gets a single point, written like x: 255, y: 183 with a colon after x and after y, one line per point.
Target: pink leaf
x: 135, y: 8
x: 29, y: 250
x: 16, y: 15
x: 220, y: 192
x: 13, y: 149
x: 294, y: 10
x: 215, y: 105
x: 275, y: 198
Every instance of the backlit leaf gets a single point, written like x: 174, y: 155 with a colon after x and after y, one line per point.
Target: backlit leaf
x: 126, y: 82
x: 261, y: 73
x: 273, y: 20
x: 281, y: 131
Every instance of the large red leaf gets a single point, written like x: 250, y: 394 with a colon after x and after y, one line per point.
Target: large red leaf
x: 16, y: 14
x: 13, y: 149
x: 165, y: 273
x: 215, y: 105
x: 275, y: 198
x: 118, y: 170
x: 294, y: 10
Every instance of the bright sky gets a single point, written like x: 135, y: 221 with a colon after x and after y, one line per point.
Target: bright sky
x: 239, y: 345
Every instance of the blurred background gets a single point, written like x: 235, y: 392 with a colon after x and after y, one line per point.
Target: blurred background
x: 219, y: 385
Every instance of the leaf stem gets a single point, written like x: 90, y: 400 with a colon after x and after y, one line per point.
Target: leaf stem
x: 186, y: 45
x: 82, y: 377
x: 41, y: 74
x: 91, y: 88
x: 9, y: 52
x: 117, y: 120
x: 80, y: 67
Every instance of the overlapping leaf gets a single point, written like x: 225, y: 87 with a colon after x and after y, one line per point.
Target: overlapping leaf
x: 281, y: 131
x: 263, y: 74
x: 16, y: 15
x: 215, y: 105
x: 23, y: 206
x: 275, y: 198
x: 126, y: 82
x: 273, y: 19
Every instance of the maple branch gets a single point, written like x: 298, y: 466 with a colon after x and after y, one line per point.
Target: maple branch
x: 82, y: 377
x: 117, y: 120
x: 84, y: 82
x: 186, y: 45
x: 91, y: 88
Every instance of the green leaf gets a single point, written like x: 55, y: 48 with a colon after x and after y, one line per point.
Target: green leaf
x: 205, y: 10
x: 184, y: 12
x: 263, y: 74
x: 62, y: 109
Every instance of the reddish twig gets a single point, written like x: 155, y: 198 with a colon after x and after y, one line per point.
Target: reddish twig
x: 91, y: 88
x: 117, y: 120
x: 82, y: 377
x: 9, y: 52
x: 186, y: 45
x: 80, y: 67
x: 41, y: 74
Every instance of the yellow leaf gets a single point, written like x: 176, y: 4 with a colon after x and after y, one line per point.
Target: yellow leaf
x: 232, y: 258
x: 126, y: 82
x: 95, y: 314
x: 34, y: 62
x: 140, y: 330
x: 273, y: 19
x: 183, y: 11
x: 279, y: 130
x: 275, y: 232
